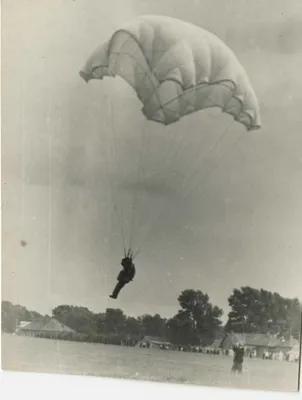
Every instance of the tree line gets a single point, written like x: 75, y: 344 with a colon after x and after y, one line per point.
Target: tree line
x: 198, y: 321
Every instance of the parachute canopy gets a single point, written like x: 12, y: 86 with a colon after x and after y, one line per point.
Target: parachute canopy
x: 176, y: 68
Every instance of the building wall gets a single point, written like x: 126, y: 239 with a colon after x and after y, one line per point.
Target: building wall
x: 282, y: 349
x: 153, y: 345
x: 260, y: 350
x: 228, y: 343
x: 24, y: 333
x: 41, y: 334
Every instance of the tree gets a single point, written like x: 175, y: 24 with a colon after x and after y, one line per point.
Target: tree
x: 181, y: 329
x: 199, y: 319
x: 81, y: 319
x: 261, y: 311
x: 12, y: 314
x: 114, y: 321
x: 133, y: 327
x: 152, y: 325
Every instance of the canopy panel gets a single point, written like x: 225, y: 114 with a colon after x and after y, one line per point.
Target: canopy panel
x: 176, y: 68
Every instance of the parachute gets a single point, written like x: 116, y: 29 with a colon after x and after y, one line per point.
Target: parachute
x: 176, y: 69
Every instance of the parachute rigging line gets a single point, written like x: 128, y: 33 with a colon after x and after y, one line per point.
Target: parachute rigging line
x: 217, y: 163
x: 203, y: 178
x: 186, y: 173
x: 206, y: 175
x: 169, y: 161
x: 135, y: 200
x: 151, y: 231
x: 112, y: 149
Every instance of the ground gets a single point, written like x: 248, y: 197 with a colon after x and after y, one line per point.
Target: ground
x: 45, y: 355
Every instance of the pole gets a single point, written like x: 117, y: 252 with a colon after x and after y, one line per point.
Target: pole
x: 300, y: 353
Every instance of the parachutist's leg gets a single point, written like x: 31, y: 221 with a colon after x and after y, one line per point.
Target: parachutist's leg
x: 117, y: 289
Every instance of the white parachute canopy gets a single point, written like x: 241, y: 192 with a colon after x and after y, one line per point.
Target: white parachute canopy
x: 176, y: 68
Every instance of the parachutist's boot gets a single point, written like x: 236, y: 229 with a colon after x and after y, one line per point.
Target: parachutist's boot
x: 117, y: 289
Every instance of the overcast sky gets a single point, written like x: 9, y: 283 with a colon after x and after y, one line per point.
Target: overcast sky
x: 239, y: 226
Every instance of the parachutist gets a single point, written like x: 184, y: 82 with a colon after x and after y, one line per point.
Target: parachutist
x: 125, y: 276
x: 238, y: 358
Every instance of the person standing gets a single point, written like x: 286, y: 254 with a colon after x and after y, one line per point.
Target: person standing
x: 238, y: 358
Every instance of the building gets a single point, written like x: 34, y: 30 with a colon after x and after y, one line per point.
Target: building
x: 258, y: 343
x: 50, y: 328
x: 21, y: 325
x: 153, y: 342
x: 287, y: 345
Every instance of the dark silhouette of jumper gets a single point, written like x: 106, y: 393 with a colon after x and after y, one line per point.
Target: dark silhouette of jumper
x: 125, y: 276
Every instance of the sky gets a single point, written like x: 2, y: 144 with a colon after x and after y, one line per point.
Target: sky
x: 236, y: 221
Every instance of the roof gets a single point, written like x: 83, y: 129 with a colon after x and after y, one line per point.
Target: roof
x: 33, y: 326
x: 23, y: 323
x: 292, y: 342
x: 216, y: 344
x: 261, y: 339
x: 56, y: 326
x: 52, y: 325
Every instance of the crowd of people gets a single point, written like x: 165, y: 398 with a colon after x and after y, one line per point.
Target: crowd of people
x: 247, y: 352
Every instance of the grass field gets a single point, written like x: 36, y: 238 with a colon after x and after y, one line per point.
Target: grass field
x: 44, y: 355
